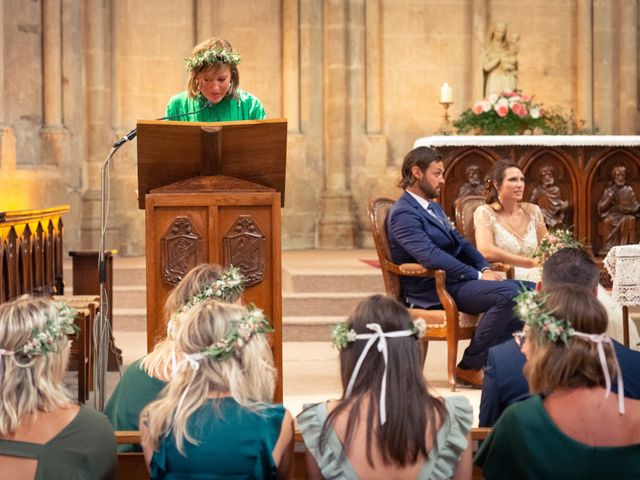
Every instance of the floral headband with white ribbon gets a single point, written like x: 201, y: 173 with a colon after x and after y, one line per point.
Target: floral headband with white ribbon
x: 342, y: 336
x: 530, y: 307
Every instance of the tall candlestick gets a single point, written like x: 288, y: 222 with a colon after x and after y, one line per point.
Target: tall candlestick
x: 446, y: 93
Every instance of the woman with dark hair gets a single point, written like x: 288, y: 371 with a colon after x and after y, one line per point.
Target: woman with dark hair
x: 212, y: 88
x: 507, y: 229
x: 386, y: 425
x: 572, y: 427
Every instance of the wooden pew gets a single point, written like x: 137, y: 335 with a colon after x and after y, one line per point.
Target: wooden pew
x: 131, y: 465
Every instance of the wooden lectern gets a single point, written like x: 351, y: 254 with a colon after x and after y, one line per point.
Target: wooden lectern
x: 212, y: 193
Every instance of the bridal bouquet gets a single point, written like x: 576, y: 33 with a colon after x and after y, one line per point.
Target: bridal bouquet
x: 554, y: 241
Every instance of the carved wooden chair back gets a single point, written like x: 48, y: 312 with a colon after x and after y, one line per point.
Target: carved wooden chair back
x: 464, y: 208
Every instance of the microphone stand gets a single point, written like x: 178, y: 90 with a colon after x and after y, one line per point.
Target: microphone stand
x: 102, y: 325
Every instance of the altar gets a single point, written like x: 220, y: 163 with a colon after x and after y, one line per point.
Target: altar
x: 591, y: 181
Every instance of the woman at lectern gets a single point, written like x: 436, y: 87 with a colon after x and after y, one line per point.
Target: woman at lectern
x: 212, y: 93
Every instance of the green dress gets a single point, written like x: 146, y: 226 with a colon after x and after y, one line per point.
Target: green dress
x: 134, y: 391
x: 245, y: 107
x: 83, y: 450
x: 443, y: 459
x: 233, y: 443
x: 526, y: 443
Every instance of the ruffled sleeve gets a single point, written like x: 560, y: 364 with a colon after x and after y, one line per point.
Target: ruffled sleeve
x: 483, y: 216
x: 452, y: 440
x: 310, y: 422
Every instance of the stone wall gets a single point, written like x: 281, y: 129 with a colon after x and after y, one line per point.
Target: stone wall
x: 358, y: 81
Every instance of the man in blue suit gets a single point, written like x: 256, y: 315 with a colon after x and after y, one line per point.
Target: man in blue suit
x: 504, y: 381
x: 419, y: 232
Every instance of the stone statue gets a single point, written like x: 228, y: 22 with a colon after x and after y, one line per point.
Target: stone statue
x: 500, y: 60
x: 619, y: 209
x: 473, y: 182
x: 548, y: 197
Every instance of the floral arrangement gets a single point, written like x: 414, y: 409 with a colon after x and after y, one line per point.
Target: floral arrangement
x: 209, y: 57
x: 530, y: 308
x: 555, y: 240
x: 46, y: 340
x: 515, y: 112
x: 252, y: 323
x: 342, y: 335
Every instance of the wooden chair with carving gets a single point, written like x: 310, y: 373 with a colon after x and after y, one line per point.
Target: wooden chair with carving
x: 464, y: 208
x: 448, y: 324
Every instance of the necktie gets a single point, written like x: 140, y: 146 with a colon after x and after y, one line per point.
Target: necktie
x: 435, y: 214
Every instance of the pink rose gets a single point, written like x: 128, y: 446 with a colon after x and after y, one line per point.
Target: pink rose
x: 552, y: 239
x: 478, y: 108
x: 525, y: 97
x: 519, y: 109
x: 502, y: 110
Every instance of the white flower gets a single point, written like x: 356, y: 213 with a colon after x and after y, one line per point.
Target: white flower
x: 351, y: 335
x: 534, y: 112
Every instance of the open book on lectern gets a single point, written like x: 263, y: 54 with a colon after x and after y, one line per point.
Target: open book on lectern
x: 169, y: 152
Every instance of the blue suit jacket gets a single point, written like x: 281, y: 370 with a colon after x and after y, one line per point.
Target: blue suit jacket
x: 504, y: 382
x: 416, y: 236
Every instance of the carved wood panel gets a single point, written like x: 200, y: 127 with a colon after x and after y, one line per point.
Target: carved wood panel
x: 581, y: 174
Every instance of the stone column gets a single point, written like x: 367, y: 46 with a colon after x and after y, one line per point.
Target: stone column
x: 7, y: 138
x: 98, y: 116
x: 477, y: 18
x: 54, y: 136
x: 337, y: 223
x: 291, y: 64
x: 605, y: 59
x: 584, y: 62
x: 627, y: 21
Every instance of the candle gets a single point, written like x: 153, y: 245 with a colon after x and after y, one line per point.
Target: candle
x: 445, y: 93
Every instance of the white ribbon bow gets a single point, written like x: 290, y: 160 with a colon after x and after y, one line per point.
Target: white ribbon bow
x: 378, y: 336
x: 193, y: 360
x: 599, y: 339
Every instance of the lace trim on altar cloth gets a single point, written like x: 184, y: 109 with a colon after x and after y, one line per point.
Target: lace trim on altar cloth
x: 623, y: 264
x: 542, y: 140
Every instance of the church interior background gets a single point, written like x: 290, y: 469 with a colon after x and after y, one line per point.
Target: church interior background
x: 358, y: 81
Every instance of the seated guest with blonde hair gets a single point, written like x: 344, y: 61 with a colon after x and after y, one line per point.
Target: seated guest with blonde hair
x: 386, y: 425
x: 214, y: 419
x: 44, y: 434
x: 143, y: 380
x: 572, y: 427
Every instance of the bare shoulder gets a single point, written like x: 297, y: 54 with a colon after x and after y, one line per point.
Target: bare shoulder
x: 530, y: 208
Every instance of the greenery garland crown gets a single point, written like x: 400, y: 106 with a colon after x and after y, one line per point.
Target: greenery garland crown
x: 210, y: 57
x: 230, y: 284
x: 342, y: 334
x: 530, y: 308
x: 45, y: 340
x: 251, y: 324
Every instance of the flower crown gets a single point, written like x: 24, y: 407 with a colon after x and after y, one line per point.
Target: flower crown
x: 251, y: 323
x: 555, y: 240
x: 342, y: 335
x: 45, y: 340
x: 211, y: 56
x: 530, y: 307
x: 229, y: 285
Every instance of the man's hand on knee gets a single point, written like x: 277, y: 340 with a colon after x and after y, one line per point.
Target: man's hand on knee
x: 493, y: 275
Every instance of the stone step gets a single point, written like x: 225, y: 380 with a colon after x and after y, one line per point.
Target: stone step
x: 131, y: 296
x: 321, y: 304
x: 130, y: 319
x: 332, y: 281
x: 309, y: 328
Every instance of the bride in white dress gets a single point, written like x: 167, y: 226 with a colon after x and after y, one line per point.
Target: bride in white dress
x: 509, y: 230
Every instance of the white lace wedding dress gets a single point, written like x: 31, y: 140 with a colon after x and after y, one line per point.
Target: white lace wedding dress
x: 526, y: 245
